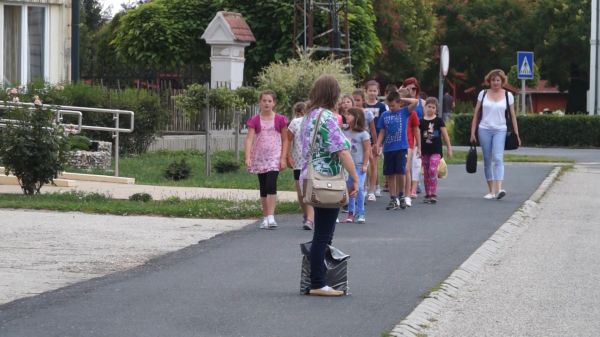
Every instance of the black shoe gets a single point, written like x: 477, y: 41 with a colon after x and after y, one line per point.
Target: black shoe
x: 402, y: 203
x: 432, y: 200
x: 345, y: 209
x: 391, y: 205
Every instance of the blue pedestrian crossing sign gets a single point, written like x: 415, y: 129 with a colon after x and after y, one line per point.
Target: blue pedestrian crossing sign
x: 525, y: 65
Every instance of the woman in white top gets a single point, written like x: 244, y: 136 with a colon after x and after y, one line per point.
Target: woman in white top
x: 490, y: 128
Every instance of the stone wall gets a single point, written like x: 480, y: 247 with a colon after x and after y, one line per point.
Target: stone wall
x: 89, y: 160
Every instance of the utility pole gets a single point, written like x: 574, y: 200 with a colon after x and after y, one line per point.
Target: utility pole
x: 593, y: 106
x: 75, y: 40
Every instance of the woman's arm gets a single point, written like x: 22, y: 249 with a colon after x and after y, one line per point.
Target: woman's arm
x: 248, y: 147
x: 348, y: 164
x: 285, y: 144
x: 366, y: 154
x: 474, y: 122
x: 447, y: 141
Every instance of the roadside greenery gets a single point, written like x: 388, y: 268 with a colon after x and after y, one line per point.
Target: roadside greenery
x: 32, y: 147
x: 173, y: 207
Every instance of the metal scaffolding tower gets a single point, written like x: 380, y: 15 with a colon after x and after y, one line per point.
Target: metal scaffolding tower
x: 317, y: 28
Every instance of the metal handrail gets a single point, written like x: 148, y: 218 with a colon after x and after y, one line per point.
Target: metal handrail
x: 67, y: 109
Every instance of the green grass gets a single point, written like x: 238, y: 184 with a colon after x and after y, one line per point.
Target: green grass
x: 148, y: 169
x: 173, y: 207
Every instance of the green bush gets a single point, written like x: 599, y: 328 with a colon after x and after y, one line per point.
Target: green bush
x: 78, y: 142
x: 143, y: 197
x: 33, y: 148
x: 543, y: 130
x: 293, y: 80
x: 225, y: 165
x: 178, y: 170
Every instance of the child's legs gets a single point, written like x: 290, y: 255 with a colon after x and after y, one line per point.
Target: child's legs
x: 432, y: 175
x: 373, y: 172
x: 400, y: 184
x: 360, y: 197
x: 425, y: 163
x: 271, y: 190
x: 391, y: 180
x: 416, y: 173
x: 351, y: 200
x: 262, y: 185
x: 408, y: 169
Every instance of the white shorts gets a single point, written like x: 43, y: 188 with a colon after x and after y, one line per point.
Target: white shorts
x: 415, y: 170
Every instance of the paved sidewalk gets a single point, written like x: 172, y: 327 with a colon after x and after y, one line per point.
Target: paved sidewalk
x: 545, y: 283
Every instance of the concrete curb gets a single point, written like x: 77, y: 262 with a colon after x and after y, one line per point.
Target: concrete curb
x: 430, y: 309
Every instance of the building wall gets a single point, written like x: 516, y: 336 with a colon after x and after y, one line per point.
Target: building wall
x: 549, y: 101
x: 58, y: 37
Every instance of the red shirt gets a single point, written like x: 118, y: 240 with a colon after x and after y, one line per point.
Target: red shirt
x: 413, y: 121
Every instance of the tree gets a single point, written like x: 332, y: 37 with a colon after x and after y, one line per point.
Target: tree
x: 483, y: 35
x: 406, y: 29
x: 92, y: 20
x: 564, y: 35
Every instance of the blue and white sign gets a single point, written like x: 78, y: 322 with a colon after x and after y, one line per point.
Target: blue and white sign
x: 525, y: 65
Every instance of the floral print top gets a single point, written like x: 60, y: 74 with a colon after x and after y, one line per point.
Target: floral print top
x: 266, y: 150
x: 330, y: 140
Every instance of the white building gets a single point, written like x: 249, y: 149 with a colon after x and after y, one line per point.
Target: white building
x: 35, y: 41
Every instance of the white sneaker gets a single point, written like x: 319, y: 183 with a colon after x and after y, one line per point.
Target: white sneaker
x: 337, y: 220
x: 273, y: 225
x: 489, y: 196
x: 378, y: 191
x: 408, y: 201
x: 371, y: 197
x: 264, y: 225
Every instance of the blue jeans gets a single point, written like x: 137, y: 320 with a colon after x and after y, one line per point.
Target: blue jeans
x: 492, y: 146
x: 322, y: 236
x: 356, y: 205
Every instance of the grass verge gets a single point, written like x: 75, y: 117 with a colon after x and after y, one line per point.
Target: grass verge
x: 173, y: 207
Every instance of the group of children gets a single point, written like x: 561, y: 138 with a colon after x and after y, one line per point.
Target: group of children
x: 393, y: 129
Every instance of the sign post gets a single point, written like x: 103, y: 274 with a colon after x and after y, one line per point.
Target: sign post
x: 524, y: 72
x: 444, y: 63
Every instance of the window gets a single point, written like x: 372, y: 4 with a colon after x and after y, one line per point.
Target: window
x: 24, y: 41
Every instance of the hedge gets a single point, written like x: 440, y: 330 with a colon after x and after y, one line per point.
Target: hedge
x: 542, y: 130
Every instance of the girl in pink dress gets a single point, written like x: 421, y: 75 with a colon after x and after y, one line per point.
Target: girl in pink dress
x: 266, y: 149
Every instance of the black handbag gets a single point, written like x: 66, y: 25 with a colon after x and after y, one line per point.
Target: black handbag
x: 512, y: 141
x: 472, y: 160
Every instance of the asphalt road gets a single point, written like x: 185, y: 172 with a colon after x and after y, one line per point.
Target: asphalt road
x: 246, y: 283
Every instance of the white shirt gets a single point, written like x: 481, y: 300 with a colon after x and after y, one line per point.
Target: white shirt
x: 493, y: 116
x: 294, y: 128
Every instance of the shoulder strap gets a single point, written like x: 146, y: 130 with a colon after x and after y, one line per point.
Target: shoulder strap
x: 480, y: 112
x: 314, y: 137
x: 507, y: 116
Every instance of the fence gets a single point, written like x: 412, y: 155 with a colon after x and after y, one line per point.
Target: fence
x: 181, y: 122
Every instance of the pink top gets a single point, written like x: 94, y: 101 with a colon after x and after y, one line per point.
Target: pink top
x: 266, y: 150
x: 280, y: 122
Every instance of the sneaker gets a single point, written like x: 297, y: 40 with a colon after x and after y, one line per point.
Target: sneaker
x: 489, y: 196
x: 392, y: 205
x: 500, y: 194
x: 402, y: 203
x: 361, y: 219
x: 264, y: 225
x: 408, y: 201
x: 371, y: 197
x: 325, y: 291
x: 345, y: 209
x: 432, y: 200
x: 337, y: 220
x: 427, y: 199
x: 378, y: 191
x: 273, y: 225
x: 308, y: 225
x: 349, y: 218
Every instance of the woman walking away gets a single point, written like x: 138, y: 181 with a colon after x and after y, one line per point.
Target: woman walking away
x: 433, y: 131
x: 489, y: 126
x: 360, y: 149
x: 295, y: 161
x: 330, y: 153
x: 266, y: 149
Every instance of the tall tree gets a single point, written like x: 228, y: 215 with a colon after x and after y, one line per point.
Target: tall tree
x: 406, y: 29
x: 92, y: 20
x: 483, y: 35
x: 564, y: 35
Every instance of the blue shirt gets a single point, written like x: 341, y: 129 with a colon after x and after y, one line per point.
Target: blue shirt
x: 394, y: 124
x: 419, y: 109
